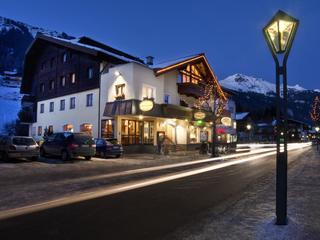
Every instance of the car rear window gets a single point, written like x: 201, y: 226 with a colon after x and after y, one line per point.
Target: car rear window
x: 23, y: 141
x: 112, y: 141
x: 83, y: 139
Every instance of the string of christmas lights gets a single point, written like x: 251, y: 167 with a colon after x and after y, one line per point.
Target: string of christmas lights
x: 315, y: 110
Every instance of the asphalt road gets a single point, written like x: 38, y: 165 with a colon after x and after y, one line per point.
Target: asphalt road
x: 149, y: 212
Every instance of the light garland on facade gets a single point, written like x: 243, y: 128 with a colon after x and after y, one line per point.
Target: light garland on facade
x: 315, y: 110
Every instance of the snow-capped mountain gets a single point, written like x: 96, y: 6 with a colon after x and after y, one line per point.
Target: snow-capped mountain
x: 243, y: 83
x: 6, y: 25
x: 15, y: 37
x: 256, y: 96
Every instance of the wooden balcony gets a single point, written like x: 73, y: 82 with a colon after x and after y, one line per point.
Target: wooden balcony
x: 190, y: 89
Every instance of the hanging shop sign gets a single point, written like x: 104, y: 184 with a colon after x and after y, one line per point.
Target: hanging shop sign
x: 226, y: 121
x: 146, y: 105
x: 200, y: 123
x: 199, y: 115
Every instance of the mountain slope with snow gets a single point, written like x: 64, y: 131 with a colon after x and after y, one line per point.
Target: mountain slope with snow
x: 15, y: 38
x: 256, y: 96
x: 244, y: 83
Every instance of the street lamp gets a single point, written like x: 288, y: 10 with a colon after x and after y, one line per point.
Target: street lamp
x: 249, y: 131
x: 279, y: 34
x: 317, y: 129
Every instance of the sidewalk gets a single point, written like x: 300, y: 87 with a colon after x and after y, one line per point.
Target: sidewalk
x: 251, y: 215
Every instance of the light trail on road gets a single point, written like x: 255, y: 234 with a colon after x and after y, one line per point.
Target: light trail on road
x: 139, y: 183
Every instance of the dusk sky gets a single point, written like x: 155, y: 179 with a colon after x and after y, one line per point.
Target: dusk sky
x: 228, y: 32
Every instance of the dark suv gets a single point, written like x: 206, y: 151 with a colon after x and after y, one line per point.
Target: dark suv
x: 69, y: 145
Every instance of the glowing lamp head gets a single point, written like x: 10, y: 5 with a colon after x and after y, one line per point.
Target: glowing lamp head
x: 317, y: 129
x: 249, y: 126
x: 280, y: 32
x: 117, y: 73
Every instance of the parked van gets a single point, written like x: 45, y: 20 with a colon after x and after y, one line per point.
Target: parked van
x: 18, y: 147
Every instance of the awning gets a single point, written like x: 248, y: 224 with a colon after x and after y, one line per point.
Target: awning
x: 131, y: 107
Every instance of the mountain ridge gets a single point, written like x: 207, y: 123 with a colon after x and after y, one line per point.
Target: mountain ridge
x: 245, y: 83
x: 257, y: 96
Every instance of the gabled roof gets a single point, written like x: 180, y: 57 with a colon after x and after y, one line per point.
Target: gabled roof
x: 179, y: 63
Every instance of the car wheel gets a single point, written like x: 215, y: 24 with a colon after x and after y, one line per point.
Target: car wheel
x: 43, y: 152
x: 117, y: 156
x: 34, y: 159
x: 4, y: 156
x: 102, y: 155
x: 87, y: 158
x: 65, y: 156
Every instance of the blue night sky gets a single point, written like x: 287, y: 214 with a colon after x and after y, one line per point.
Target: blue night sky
x: 228, y: 32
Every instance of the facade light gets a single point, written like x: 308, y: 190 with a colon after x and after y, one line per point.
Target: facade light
x: 117, y: 73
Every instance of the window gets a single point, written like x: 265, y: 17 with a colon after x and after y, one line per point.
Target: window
x: 73, y: 78
x: 137, y: 132
x: 191, y: 74
x: 120, y: 91
x: 86, y: 128
x: 167, y: 98
x: 43, y: 65
x: 62, y: 105
x: 52, y: 85
x: 90, y: 73
x: 148, y: 92
x: 51, y: 62
x: 68, y: 128
x: 42, y: 108
x: 64, y: 57
x: 72, y: 103
x: 62, y: 81
x: 107, y: 128
x: 51, y: 108
x: 89, y: 100
x: 50, y: 130
x: 39, y: 130
x: 42, y: 87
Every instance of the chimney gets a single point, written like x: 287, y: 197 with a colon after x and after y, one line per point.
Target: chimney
x: 149, y: 60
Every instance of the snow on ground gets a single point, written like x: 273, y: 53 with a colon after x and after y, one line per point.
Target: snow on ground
x: 252, y: 214
x: 10, y: 103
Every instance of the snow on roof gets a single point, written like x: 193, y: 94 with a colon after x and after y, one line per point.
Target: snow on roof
x: 241, y: 116
x: 77, y: 43
x: 174, y: 61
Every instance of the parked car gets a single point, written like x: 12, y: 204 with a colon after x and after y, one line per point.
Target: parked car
x: 68, y: 145
x: 108, y: 147
x: 18, y: 147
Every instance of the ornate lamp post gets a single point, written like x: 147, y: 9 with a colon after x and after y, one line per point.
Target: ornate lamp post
x: 279, y: 34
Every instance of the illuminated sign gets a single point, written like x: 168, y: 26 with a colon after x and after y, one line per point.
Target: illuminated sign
x: 199, y: 115
x: 146, y: 105
x: 200, y: 123
x: 226, y: 121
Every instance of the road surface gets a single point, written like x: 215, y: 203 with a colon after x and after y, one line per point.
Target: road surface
x: 148, y: 212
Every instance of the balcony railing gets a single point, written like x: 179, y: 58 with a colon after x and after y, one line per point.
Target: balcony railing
x: 191, y: 89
